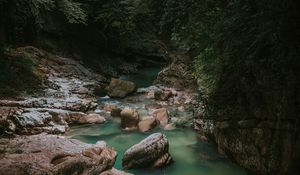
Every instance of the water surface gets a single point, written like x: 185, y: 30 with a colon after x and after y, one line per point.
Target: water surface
x: 144, y: 77
x: 191, y: 156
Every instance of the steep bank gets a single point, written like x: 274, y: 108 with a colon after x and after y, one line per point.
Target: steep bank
x: 66, y: 96
x: 262, y: 146
x: 262, y: 143
x: 66, y: 93
x: 260, y: 139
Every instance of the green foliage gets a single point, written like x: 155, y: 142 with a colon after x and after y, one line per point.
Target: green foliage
x: 128, y: 22
x: 43, y: 4
x: 241, y: 49
x: 42, y: 10
x: 244, y: 57
x: 117, y: 15
x: 72, y: 11
x: 38, y: 10
x: 207, y: 69
x: 18, y: 73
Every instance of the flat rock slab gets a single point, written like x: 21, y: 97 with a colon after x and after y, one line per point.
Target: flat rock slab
x: 49, y: 154
x: 150, y: 152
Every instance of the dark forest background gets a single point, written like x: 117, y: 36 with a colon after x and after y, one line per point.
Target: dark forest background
x: 245, y: 52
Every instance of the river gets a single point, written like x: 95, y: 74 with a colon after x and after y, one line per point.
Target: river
x: 191, y: 155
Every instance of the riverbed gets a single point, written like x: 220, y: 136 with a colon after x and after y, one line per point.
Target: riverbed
x: 191, y: 155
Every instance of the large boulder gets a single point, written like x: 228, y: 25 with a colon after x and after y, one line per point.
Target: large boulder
x: 47, y: 154
x: 120, y: 88
x: 150, y: 152
x: 129, y: 118
x: 148, y: 123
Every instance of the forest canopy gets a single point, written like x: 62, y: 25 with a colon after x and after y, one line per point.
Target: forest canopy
x: 240, y: 48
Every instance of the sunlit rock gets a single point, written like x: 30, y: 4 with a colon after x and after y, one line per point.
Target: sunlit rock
x: 161, y: 115
x: 148, y: 123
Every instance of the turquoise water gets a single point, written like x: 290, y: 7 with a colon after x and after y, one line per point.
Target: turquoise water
x: 143, y: 78
x: 191, y: 156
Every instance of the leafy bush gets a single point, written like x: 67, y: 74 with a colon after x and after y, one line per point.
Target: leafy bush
x: 245, y: 59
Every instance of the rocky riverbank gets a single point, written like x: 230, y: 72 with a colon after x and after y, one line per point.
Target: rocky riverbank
x: 262, y: 145
x: 68, y: 97
x: 50, y: 154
